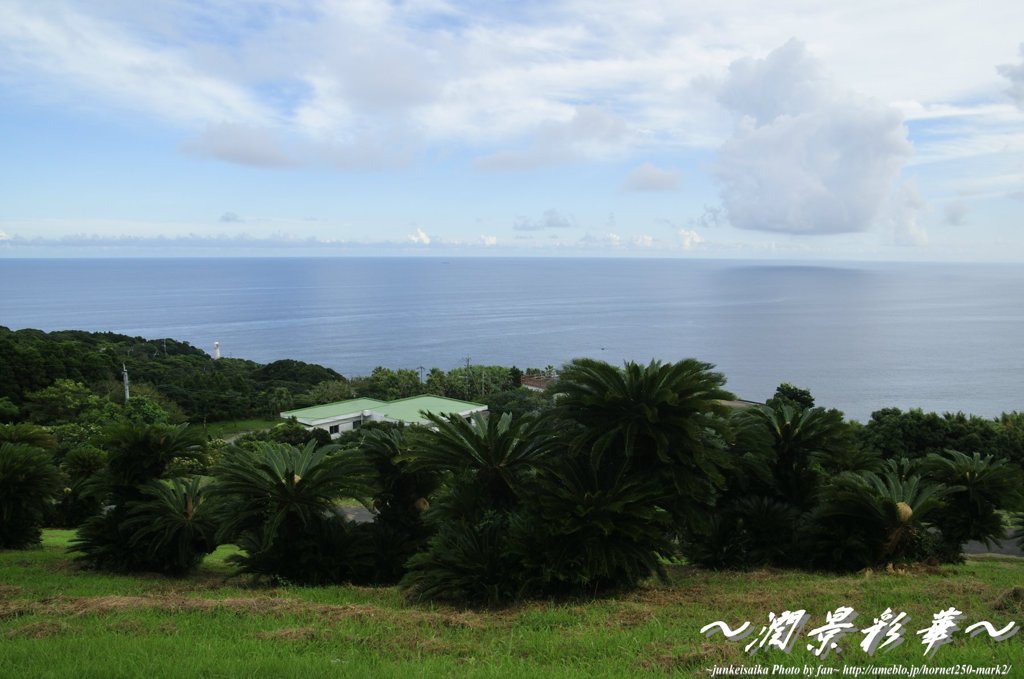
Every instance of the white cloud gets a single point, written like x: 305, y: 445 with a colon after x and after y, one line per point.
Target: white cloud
x: 488, y: 241
x: 649, y: 177
x: 806, y: 158
x: 590, y: 132
x: 419, y: 237
x: 1015, y: 74
x: 4, y: 236
x: 102, y: 60
x: 230, y: 218
x: 643, y: 241
x: 567, y: 79
x: 689, y: 239
x: 788, y: 82
x: 603, y: 240
x: 551, y: 219
x: 903, y: 210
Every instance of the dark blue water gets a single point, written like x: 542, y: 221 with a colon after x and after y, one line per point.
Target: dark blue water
x: 861, y: 337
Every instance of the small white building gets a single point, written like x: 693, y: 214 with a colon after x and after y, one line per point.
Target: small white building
x: 342, y: 416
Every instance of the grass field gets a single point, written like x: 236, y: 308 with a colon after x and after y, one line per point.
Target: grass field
x: 59, y: 621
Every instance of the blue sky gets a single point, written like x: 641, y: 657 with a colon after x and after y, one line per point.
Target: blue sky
x: 798, y: 130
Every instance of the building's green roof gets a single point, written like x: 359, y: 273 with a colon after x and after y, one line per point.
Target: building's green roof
x: 336, y: 409
x: 406, y: 409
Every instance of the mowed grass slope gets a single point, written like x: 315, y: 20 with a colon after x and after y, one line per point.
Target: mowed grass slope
x: 59, y: 621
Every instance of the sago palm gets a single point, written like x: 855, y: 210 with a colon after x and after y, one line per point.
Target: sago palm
x: 666, y: 419
x: 658, y: 411
x: 28, y: 434
x: 488, y: 464
x: 278, y: 502
x: 401, y: 497
x: 139, y: 453
x: 592, y: 524
x: 870, y: 519
x: 497, y: 452
x: 28, y: 480
x: 792, y: 443
x: 980, y: 488
x: 172, y: 527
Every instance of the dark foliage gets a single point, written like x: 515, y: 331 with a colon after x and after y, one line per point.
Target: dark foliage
x: 204, y: 388
x: 398, y: 530
x: 81, y: 470
x: 137, y: 456
x: 666, y: 419
x: 289, y: 432
x: 872, y: 519
x: 28, y: 480
x: 277, y: 503
x: 171, y: 527
x: 915, y: 434
x: 979, y: 488
x: 592, y: 524
x: 489, y: 463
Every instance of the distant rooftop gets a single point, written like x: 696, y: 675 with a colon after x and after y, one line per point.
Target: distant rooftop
x: 537, y: 382
x: 403, y: 410
x: 328, y: 411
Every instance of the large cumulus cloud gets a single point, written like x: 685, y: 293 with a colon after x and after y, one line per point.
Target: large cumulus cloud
x: 806, y: 157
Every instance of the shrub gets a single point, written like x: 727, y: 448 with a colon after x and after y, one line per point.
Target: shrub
x: 277, y: 503
x: 488, y: 463
x: 591, y: 524
x: 137, y: 455
x: 872, y: 519
x: 80, y: 469
x: 979, y: 488
x: 28, y: 480
x: 172, y: 527
x: 400, y: 499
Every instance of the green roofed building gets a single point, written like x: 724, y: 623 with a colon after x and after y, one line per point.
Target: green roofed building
x: 340, y: 416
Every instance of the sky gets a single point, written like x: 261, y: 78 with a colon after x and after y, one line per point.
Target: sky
x: 866, y: 130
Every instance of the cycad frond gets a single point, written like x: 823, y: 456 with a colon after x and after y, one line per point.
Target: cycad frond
x: 172, y: 526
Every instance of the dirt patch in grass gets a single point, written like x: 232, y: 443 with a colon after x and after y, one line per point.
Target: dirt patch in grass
x: 662, y: 656
x: 14, y: 609
x: 247, y: 606
x: 1010, y: 601
x: 8, y: 591
x: 136, y: 628
x: 292, y: 634
x: 39, y: 630
x: 630, y: 616
x: 412, y: 642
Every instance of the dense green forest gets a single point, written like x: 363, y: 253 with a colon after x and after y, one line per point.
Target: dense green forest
x: 193, y: 386
x: 591, y: 486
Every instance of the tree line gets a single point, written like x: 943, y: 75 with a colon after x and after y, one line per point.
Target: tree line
x: 44, y: 377
x: 622, y: 470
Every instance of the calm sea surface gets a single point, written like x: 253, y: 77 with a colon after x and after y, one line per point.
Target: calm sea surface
x: 860, y: 336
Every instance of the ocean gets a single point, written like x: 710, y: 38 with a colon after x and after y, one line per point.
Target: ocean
x: 942, y: 337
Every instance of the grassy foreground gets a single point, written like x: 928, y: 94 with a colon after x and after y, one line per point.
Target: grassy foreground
x: 58, y: 621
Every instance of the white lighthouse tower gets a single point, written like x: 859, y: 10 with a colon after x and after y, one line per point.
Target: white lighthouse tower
x: 216, y: 350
